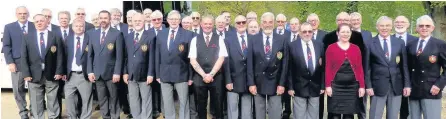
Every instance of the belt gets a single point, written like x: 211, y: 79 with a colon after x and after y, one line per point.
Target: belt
x: 77, y: 72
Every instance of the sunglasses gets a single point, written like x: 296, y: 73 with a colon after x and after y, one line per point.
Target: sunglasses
x: 157, y: 19
x: 424, y: 26
x: 240, y: 22
x: 195, y: 18
x: 80, y: 14
x: 305, y: 32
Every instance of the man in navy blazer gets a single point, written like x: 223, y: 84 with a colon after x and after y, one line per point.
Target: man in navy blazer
x: 236, y: 71
x: 80, y: 13
x: 41, y: 64
x: 318, y: 35
x: 105, y: 64
x: 387, y: 76
x: 401, y: 26
x: 172, y: 65
x: 305, y: 74
x: 12, y: 40
x: 116, y: 21
x: 77, y: 85
x: 139, y: 68
x: 267, y: 62
x: 356, y: 21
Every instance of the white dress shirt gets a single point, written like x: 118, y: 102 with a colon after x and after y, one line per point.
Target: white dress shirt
x: 270, y: 41
x: 49, y: 27
x: 278, y: 31
x: 292, y: 36
x: 424, y: 43
x: 403, y: 37
x: 66, y: 30
x: 174, y: 36
x: 223, y: 34
x: 381, y: 40
x: 139, y: 35
x: 315, y: 34
x: 45, y: 39
x: 198, y: 29
x: 156, y: 32
x: 240, y: 40
x: 147, y: 26
x: 74, y: 66
x: 26, y: 26
x: 221, y: 44
x: 313, y: 55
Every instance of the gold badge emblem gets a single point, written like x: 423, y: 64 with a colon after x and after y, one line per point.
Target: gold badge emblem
x: 86, y: 49
x: 53, y: 49
x: 144, y: 48
x: 181, y: 47
x: 110, y: 46
x: 279, y: 55
x: 432, y: 58
x: 397, y: 59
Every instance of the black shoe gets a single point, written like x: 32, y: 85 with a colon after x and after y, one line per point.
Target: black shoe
x: 129, y: 116
x: 97, y: 108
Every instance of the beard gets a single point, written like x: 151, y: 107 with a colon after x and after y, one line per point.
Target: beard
x: 400, y: 30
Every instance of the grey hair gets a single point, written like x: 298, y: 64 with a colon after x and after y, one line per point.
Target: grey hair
x: 187, y: 18
x: 114, y: 10
x: 342, y: 13
x: 220, y: 18
x: 65, y: 12
x: 280, y: 16
x: 131, y: 13
x: 209, y: 17
x: 313, y: 15
x: 382, y: 18
x: 156, y: 14
x: 174, y: 12
x: 251, y: 13
x: 305, y: 24
x: 425, y: 17
x: 293, y: 20
x: 195, y: 13
x: 356, y: 14
x: 267, y: 14
x: 147, y: 10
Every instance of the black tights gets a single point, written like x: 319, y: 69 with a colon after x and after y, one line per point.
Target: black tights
x: 338, y: 116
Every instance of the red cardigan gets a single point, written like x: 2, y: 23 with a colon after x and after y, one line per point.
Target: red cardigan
x: 335, y: 57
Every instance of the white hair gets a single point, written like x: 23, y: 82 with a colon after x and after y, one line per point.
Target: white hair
x: 312, y: 15
x: 342, y: 13
x: 267, y: 14
x: 425, y: 17
x: 355, y: 14
x: 131, y: 13
x: 294, y: 20
x: 147, y: 10
x: 209, y: 17
x: 239, y: 17
x: 404, y: 18
x: 187, y: 18
x: 220, y: 18
x: 116, y: 10
x: 251, y: 13
x: 195, y: 13
x: 382, y: 18
x: 156, y: 14
x: 173, y: 12
x: 281, y: 16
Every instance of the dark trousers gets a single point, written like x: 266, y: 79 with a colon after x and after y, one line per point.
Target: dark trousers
x: 216, y: 92
x: 404, y: 111
x: 156, y: 98
x: 123, y: 97
x: 286, y: 100
x: 340, y: 116
x: 321, y: 106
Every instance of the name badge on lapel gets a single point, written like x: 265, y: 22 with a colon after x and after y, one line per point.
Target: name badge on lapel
x: 279, y: 55
x: 181, y: 48
x: 432, y: 59
x: 110, y: 46
x: 144, y: 48
x: 397, y: 59
x: 53, y: 49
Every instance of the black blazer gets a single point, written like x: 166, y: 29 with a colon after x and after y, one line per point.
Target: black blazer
x: 320, y: 35
x: 301, y: 80
x: 32, y: 63
x: 173, y: 66
x: 236, y: 64
x: 409, y: 39
x: 382, y: 71
x: 140, y: 59
x: 70, y: 53
x: 267, y: 75
x: 105, y: 60
x: 425, y: 68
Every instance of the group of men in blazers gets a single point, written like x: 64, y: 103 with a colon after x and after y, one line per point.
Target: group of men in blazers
x: 244, y: 75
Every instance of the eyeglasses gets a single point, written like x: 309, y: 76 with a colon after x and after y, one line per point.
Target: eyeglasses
x: 48, y: 16
x: 195, y: 18
x: 305, y: 32
x: 240, y: 22
x: 280, y: 21
x: 157, y: 19
x: 424, y: 26
x: 80, y: 14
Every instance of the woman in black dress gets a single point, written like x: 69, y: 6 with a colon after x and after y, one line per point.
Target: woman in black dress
x: 344, y: 76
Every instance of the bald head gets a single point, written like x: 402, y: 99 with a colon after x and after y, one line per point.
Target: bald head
x: 343, y: 17
x: 22, y: 14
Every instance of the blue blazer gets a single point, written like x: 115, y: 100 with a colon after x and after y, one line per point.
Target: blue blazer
x: 409, y: 39
x: 12, y: 41
x: 366, y: 35
x: 235, y: 67
x: 88, y: 26
x: 173, y: 66
x: 70, y: 53
x: 140, y: 58
x: 267, y: 75
x: 31, y: 61
x: 105, y: 60
x: 380, y: 70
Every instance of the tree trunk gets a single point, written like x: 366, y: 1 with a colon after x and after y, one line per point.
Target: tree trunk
x: 438, y: 14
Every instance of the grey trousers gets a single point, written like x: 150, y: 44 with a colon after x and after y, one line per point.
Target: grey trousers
x: 233, y: 105
x: 169, y: 104
x: 429, y: 108
x: 18, y: 88
x: 78, y: 83
x: 274, y: 106
x: 305, y: 108
x: 392, y: 103
x: 140, y: 99
x: 108, y: 99
x: 37, y: 94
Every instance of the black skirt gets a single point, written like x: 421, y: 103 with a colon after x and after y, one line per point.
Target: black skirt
x: 345, y: 97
